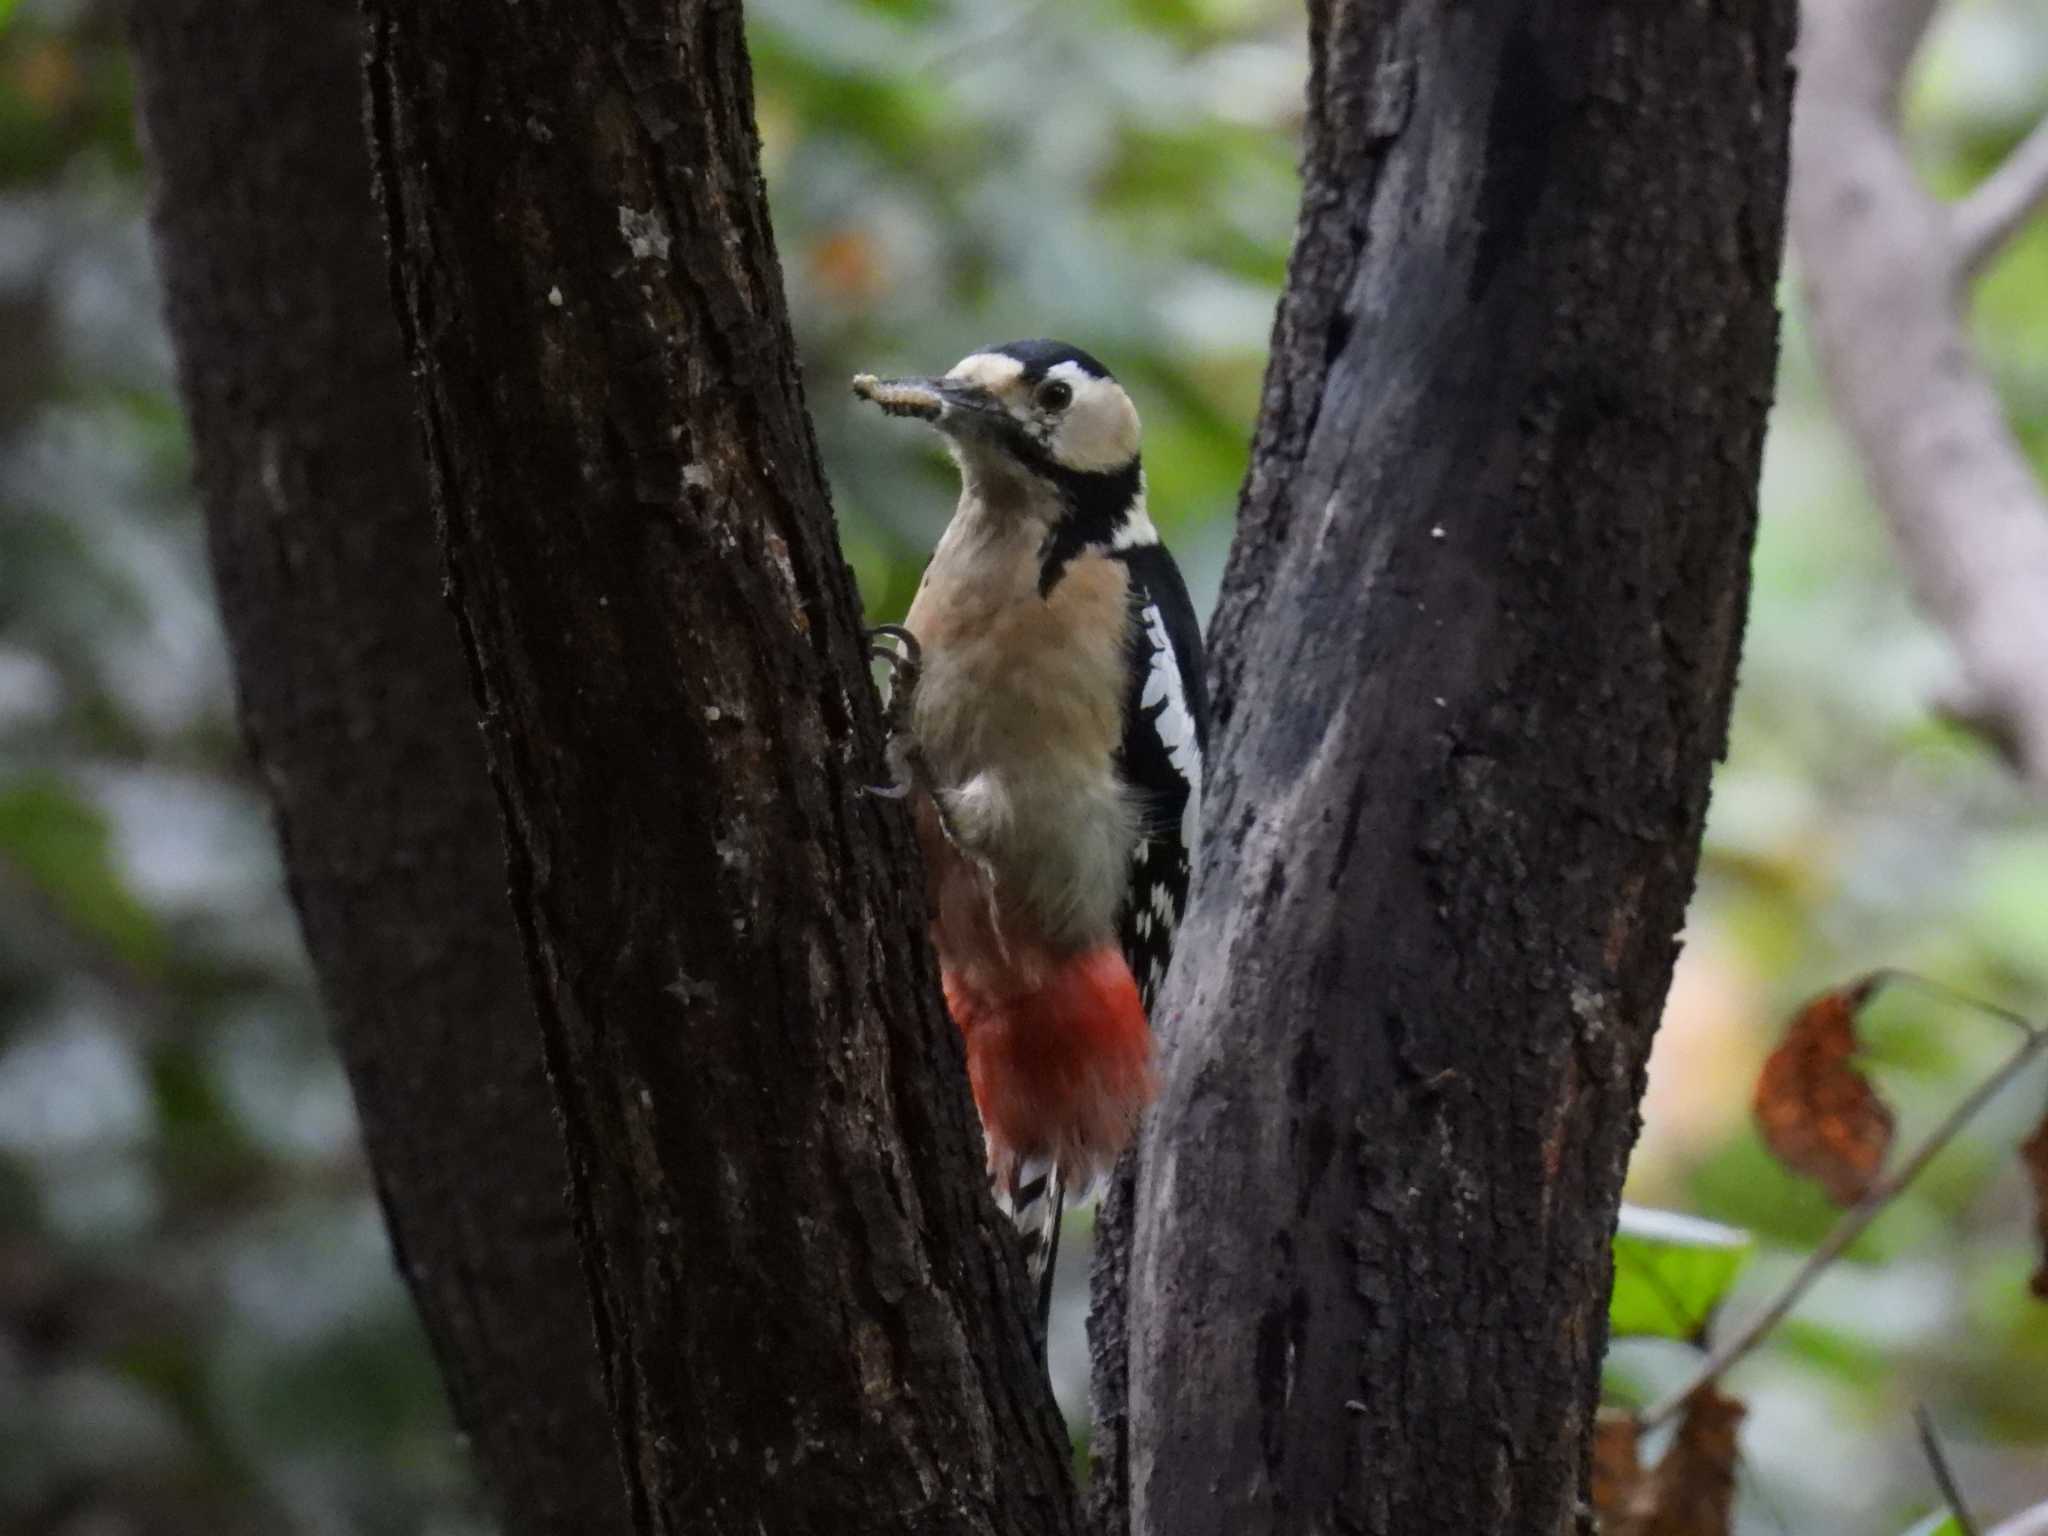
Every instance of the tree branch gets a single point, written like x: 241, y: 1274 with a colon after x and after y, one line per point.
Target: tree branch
x: 1999, y: 207
x: 1881, y: 263
x: 1944, y: 1474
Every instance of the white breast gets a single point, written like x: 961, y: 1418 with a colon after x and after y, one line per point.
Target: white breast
x: 1019, y: 713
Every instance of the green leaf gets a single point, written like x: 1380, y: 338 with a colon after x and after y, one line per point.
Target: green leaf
x: 1940, y: 1523
x: 1671, y: 1272
x: 7, y: 8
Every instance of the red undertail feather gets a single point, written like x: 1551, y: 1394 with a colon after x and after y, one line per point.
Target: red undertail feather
x: 1061, y: 1069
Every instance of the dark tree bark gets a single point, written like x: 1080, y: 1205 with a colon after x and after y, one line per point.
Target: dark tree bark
x: 357, y: 710
x: 808, y: 1310
x: 1474, y: 655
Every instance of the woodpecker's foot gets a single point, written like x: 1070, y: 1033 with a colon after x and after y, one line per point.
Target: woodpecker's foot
x: 905, y: 659
x: 902, y: 779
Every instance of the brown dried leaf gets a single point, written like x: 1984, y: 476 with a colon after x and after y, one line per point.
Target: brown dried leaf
x: 1617, y: 1467
x: 1818, y: 1114
x: 1691, y: 1492
x: 2034, y: 1158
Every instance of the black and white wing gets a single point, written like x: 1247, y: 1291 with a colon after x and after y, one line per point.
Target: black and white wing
x: 1166, y: 732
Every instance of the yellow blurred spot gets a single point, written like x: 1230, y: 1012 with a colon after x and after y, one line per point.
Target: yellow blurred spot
x: 846, y: 267
x: 47, y: 76
x: 1704, y: 1064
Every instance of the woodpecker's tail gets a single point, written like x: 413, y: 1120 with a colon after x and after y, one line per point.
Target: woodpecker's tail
x: 1036, y: 1201
x: 1061, y: 1066
x: 1061, y: 1069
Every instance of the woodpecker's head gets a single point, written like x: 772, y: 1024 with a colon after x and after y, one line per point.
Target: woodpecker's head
x: 1037, y: 424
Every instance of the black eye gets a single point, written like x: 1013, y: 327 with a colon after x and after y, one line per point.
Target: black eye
x: 1056, y: 395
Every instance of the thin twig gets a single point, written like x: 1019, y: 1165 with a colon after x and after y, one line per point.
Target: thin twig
x: 1892, y: 976
x: 1944, y: 1475
x: 1852, y: 1226
x: 2002, y: 203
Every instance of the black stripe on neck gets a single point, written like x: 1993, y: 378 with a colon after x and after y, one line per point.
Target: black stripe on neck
x: 1094, y: 505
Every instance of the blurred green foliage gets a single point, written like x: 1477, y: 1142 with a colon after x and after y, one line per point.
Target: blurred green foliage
x: 199, y: 1327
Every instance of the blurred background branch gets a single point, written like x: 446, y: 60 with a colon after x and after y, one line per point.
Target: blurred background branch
x: 1944, y: 1474
x: 2003, y: 202
x: 1886, y: 268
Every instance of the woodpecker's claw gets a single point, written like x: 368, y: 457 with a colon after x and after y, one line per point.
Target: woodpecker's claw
x: 902, y: 663
x: 905, y: 766
x: 904, y: 769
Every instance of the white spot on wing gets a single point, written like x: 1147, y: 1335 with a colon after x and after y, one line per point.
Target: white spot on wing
x: 1176, y: 724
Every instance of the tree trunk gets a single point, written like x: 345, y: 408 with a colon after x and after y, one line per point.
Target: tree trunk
x: 358, y: 713
x: 1474, y: 655
x: 809, y: 1312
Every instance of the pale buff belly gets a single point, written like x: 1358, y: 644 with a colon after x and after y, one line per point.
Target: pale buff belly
x: 1019, y: 715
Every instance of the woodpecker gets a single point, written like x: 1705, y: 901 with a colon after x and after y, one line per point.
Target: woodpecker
x: 1056, y: 718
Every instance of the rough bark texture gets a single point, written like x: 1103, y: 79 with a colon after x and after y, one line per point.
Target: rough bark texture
x: 1474, y: 654
x: 358, y: 713
x: 807, y: 1305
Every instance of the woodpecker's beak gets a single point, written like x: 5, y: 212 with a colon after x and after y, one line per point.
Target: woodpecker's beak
x: 951, y: 405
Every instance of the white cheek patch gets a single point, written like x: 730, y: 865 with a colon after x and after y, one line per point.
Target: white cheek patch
x: 1099, y: 429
